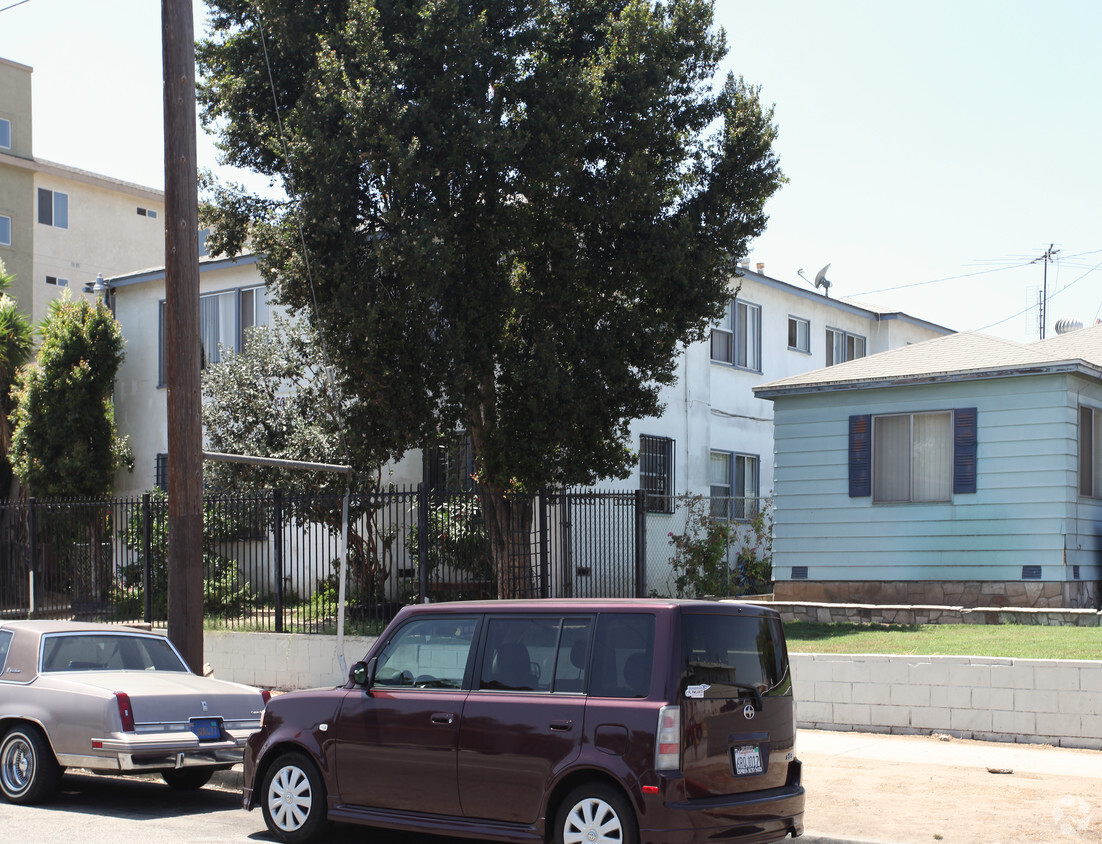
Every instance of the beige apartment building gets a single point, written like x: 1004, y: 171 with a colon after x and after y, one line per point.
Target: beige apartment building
x: 60, y: 226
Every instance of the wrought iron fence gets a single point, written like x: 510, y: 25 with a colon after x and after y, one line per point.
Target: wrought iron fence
x: 271, y: 561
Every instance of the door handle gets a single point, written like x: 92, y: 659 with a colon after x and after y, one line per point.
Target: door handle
x: 561, y: 726
x: 443, y: 717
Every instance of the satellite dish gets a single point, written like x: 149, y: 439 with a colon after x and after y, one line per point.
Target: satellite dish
x: 821, y: 280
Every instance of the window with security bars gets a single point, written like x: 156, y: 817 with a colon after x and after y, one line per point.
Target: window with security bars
x: 449, y: 466
x: 160, y: 472
x: 656, y: 473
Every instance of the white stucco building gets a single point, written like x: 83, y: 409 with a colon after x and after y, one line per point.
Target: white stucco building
x: 59, y: 226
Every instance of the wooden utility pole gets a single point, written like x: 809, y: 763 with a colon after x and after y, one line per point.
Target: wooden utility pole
x: 185, y: 446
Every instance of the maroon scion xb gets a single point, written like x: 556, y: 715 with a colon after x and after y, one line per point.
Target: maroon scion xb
x: 569, y: 721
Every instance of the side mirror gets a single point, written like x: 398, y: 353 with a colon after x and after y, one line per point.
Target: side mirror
x: 363, y: 673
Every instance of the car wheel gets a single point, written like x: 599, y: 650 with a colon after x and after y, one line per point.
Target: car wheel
x: 595, y: 813
x: 187, y: 779
x: 28, y: 770
x: 293, y: 797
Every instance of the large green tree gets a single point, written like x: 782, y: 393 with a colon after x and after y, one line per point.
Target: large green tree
x: 64, y: 442
x: 510, y: 213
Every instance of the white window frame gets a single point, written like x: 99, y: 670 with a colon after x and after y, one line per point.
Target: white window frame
x: 799, y: 334
x: 58, y: 208
x: 5, y: 237
x: 908, y: 473
x: 736, y: 340
x: 735, y: 488
x: 5, y: 133
x: 843, y: 346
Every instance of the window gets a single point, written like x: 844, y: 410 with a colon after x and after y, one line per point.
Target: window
x: 908, y: 457
x: 5, y: 133
x: 448, y: 466
x: 223, y: 319
x: 1090, y: 460
x: 734, y: 485
x: 59, y: 282
x: 525, y: 654
x: 912, y: 457
x: 799, y: 334
x: 147, y: 212
x: 737, y: 338
x: 623, y: 651
x: 53, y: 208
x: 5, y: 230
x: 160, y: 472
x: 656, y: 473
x: 429, y: 653
x: 842, y: 346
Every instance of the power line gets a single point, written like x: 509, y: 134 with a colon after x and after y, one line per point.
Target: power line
x: 13, y: 5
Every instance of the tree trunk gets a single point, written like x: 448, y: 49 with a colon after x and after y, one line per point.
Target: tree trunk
x: 509, y: 523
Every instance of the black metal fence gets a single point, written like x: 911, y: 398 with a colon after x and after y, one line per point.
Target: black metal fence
x: 272, y: 561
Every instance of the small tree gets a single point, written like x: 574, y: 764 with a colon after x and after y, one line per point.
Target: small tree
x: 16, y: 345
x: 64, y: 442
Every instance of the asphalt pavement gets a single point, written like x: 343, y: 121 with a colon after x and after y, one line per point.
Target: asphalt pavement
x: 826, y: 748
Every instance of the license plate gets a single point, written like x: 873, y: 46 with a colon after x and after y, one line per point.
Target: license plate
x: 747, y: 761
x: 207, y: 729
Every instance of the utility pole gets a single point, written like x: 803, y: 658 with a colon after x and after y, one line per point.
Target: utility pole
x: 1050, y: 255
x: 185, y: 446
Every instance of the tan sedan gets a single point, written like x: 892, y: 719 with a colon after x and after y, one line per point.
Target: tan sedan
x: 111, y: 699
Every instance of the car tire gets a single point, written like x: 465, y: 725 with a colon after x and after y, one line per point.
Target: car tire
x: 595, y: 813
x: 187, y: 779
x: 29, y: 772
x: 293, y: 798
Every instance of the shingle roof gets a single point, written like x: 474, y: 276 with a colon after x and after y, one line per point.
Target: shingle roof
x: 968, y: 355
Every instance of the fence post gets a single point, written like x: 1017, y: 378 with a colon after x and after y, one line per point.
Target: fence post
x: 277, y: 527
x: 423, y: 541
x: 147, y: 559
x: 545, y: 555
x: 36, y: 588
x: 640, y: 543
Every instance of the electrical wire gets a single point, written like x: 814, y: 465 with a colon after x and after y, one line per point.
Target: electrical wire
x: 297, y: 211
x: 13, y: 5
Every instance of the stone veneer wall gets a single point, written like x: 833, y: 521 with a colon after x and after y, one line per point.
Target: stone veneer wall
x: 1077, y: 594
x: 909, y: 614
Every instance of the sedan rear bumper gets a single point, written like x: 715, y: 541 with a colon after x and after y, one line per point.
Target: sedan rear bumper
x: 159, y: 752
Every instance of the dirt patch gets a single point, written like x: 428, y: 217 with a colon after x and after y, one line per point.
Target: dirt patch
x: 909, y: 803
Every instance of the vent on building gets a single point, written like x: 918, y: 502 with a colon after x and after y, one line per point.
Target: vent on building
x: 1031, y: 572
x: 407, y: 572
x: 799, y: 572
x: 583, y: 571
x: 1075, y: 572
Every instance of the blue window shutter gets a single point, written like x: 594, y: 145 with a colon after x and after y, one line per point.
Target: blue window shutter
x: 964, y: 450
x: 860, y: 456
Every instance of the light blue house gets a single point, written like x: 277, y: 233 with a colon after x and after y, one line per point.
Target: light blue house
x: 965, y: 470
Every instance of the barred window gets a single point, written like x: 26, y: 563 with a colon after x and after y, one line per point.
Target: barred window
x: 160, y: 472
x: 656, y: 473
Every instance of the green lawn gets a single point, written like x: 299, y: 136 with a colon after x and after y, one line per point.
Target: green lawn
x: 1006, y: 640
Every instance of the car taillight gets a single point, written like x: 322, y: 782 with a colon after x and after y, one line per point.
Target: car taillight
x: 126, y: 712
x: 667, y: 746
x: 266, y: 695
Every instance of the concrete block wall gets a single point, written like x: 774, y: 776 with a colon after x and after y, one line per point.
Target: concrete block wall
x: 1057, y: 702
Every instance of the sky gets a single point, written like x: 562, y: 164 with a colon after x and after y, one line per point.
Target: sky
x: 934, y: 151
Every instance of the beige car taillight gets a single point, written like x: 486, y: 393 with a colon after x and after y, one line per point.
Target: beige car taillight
x: 667, y: 747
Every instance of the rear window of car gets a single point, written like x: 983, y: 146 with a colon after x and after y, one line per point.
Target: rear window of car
x: 722, y: 652
x: 108, y: 652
